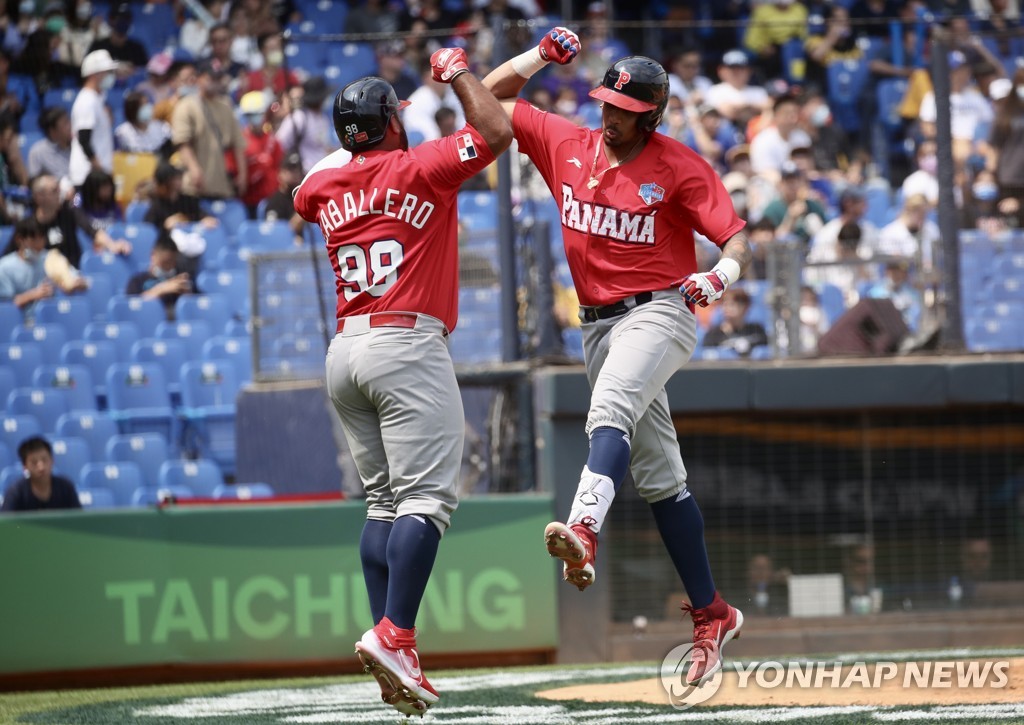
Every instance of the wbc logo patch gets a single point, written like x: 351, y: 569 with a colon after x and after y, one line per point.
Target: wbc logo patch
x: 651, y: 193
x: 467, y: 151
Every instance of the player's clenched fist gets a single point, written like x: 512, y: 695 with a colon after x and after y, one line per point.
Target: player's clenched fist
x: 704, y: 288
x: 447, y: 63
x: 560, y: 46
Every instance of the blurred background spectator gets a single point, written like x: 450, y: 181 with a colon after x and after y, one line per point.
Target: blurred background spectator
x: 40, y: 489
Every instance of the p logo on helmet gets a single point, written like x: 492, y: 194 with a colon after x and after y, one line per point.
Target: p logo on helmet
x: 623, y: 80
x: 638, y: 84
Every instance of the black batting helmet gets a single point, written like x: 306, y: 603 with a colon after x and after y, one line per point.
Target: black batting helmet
x: 636, y: 83
x: 362, y: 111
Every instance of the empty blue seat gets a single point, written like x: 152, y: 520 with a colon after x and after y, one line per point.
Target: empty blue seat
x: 122, y: 335
x: 142, y: 236
x: 139, y: 401
x: 154, y: 25
x: 101, y: 289
x: 70, y: 456
x: 213, y: 309
x: 216, y: 238
x: 146, y: 314
x: 354, y: 60
x: 232, y: 283
x: 22, y: 359
x: 95, y: 428
x: 96, y: 498
x: 202, y: 476
x: 168, y: 354
x: 136, y: 212
x: 718, y: 353
x: 74, y: 382
x: 7, y: 382
x: 63, y: 97
x: 96, y: 357
x: 244, y: 491
x: 7, y: 456
x: 10, y: 475
x: 572, y: 342
x: 237, y: 350
x: 50, y: 338
x: 14, y: 428
x: 208, y: 392
x: 889, y: 95
x: 118, y: 268
x: 478, y: 210
x: 192, y: 333
x: 309, y: 55
x: 266, y: 236
x: 157, y: 495
x: 879, y: 201
x: 147, y: 450
x: 230, y: 212
x: 121, y: 479
x: 1007, y: 289
x: 72, y: 313
x: 10, y: 317
x: 846, y: 83
x: 326, y: 16
x: 43, y: 404
x: 832, y: 302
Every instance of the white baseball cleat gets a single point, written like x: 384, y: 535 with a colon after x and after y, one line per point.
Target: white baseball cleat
x: 389, y: 654
x: 576, y: 546
x: 390, y: 693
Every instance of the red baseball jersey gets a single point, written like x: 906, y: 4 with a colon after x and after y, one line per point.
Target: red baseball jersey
x: 390, y: 220
x: 633, y: 231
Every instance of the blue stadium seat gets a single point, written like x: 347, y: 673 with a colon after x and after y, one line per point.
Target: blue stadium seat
x: 10, y: 475
x: 327, y: 16
x: 94, y: 428
x: 201, y: 476
x: 1007, y: 289
x: 994, y: 335
x: 266, y: 236
x: 355, y: 60
x: 96, y: 357
x: 7, y: 456
x: 156, y: 495
x: 889, y: 95
x: 22, y: 358
x: 122, y: 335
x: 168, y: 354
x: 63, y: 97
x: 10, y: 317
x: 69, y: 456
x: 7, y: 382
x: 136, y: 211
x: 146, y: 450
x: 216, y: 238
x: 142, y: 236
x: 193, y: 333
x: 572, y: 342
x: 101, y: 289
x: 16, y: 428
x: 121, y: 479
x: 154, y: 25
x: 832, y: 302
x: 237, y: 350
x: 847, y: 80
x: 244, y: 491
x: 309, y: 55
x: 208, y: 392
x: 145, y: 314
x: 879, y: 201
x: 43, y: 404
x: 478, y: 210
x: 794, y: 61
x: 213, y: 309
x: 230, y: 212
x: 231, y: 258
x: 138, y: 399
x: 118, y: 268
x: 50, y: 338
x: 233, y: 284
x: 96, y: 498
x: 71, y: 313
x: 74, y: 382
x: 761, y: 352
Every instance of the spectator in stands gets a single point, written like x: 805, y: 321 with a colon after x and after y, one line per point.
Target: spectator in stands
x: 308, y: 129
x: 263, y: 152
x: 771, y: 148
x: 767, y: 587
x: 828, y: 142
x: 999, y: 20
x: 599, y: 49
x: 1007, y: 141
x: 424, y: 102
x: 140, y: 133
x: 795, y: 213
x: 15, y: 25
x: 896, y: 287
x: 169, y: 208
x: 981, y: 208
x: 710, y: 135
x: 12, y: 167
x: 261, y: 15
x: 166, y: 279
x: 968, y: 110
x: 272, y: 75
x: 924, y: 181
x: 733, y: 95
x: 762, y: 236
x: 873, y: 16
x: 157, y: 86
x: 196, y: 32
x: 851, y: 272
x: 23, y: 278
x: 770, y: 26
x: 975, y: 566
x: 858, y: 577
x: 280, y: 204
x: 685, y: 82
x: 243, y: 38
x: 79, y: 33
x: 92, y: 142
x: 221, y: 39
x: 911, y: 235
x: 735, y: 332
x: 184, y: 83
x: 813, y: 321
x: 51, y: 154
x: 853, y: 207
x: 391, y: 66
x: 838, y: 43
x: 10, y: 101
x: 95, y: 199
x: 129, y: 52
x: 40, y: 489
x: 209, y: 139
x: 38, y: 62
x: 61, y: 223
x: 371, y: 16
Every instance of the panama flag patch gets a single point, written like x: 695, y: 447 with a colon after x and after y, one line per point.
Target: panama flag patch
x: 651, y: 193
x: 467, y: 151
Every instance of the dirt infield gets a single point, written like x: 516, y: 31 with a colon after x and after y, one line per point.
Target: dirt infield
x: 890, y: 691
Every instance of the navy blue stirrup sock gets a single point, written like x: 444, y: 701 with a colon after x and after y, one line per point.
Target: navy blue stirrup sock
x: 373, y: 552
x: 412, y: 548
x: 682, y: 529
x: 609, y: 454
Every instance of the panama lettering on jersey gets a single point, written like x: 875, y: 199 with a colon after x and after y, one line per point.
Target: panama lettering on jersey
x: 606, y: 221
x: 403, y: 206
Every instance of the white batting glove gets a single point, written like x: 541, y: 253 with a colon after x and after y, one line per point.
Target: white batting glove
x: 703, y: 288
x: 447, y: 63
x: 559, y: 46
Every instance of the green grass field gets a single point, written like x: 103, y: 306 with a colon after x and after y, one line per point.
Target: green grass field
x: 481, y: 697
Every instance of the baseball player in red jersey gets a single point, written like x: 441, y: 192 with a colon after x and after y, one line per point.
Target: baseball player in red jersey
x: 389, y: 217
x: 630, y: 202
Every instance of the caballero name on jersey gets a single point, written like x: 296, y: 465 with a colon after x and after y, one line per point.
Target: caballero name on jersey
x: 606, y: 221
x: 389, y: 202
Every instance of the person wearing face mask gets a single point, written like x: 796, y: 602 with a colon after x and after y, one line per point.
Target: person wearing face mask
x: 273, y: 74
x: 79, y: 33
x: 164, y: 280
x: 307, y: 129
x: 128, y: 51
x: 183, y: 80
x: 140, y: 133
x: 924, y: 181
x: 263, y: 153
x: 23, y: 275
x: 838, y: 42
x: 92, y: 145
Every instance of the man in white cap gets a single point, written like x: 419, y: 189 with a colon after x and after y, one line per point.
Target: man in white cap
x: 92, y: 145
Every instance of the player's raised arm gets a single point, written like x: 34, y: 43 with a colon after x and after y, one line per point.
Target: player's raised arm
x: 703, y: 288
x: 560, y: 45
x: 449, y: 65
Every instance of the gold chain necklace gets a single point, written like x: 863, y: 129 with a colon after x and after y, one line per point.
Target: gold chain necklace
x: 594, y: 177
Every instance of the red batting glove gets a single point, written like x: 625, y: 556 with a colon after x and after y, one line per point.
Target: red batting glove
x: 560, y: 45
x: 447, y: 63
x: 704, y: 288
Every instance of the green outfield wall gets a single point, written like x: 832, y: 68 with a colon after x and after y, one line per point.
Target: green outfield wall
x: 235, y: 584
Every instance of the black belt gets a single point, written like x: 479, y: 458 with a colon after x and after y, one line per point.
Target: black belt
x: 593, y: 314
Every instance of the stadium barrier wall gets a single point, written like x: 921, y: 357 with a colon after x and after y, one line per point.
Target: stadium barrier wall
x: 231, y: 584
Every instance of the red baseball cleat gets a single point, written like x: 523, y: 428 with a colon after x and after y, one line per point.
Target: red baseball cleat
x: 713, y: 626
x: 576, y: 546
x: 389, y: 654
